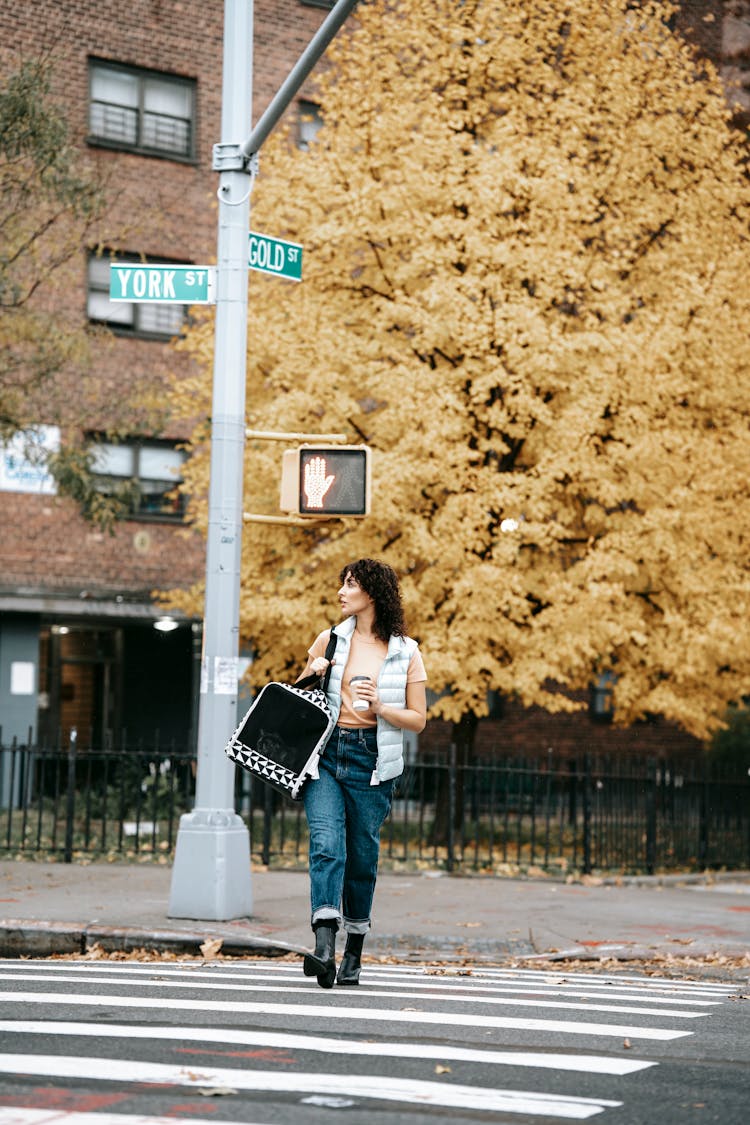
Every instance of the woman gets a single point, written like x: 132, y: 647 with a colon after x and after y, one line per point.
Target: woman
x: 347, y: 804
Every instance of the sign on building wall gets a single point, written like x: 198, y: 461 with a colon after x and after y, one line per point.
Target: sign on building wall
x: 23, y: 460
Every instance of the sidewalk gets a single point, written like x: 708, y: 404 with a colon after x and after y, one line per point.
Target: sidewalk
x: 56, y: 908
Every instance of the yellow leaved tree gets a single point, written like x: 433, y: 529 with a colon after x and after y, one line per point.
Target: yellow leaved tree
x: 527, y: 287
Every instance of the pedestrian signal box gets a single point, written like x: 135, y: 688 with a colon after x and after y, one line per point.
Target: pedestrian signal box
x: 326, y: 480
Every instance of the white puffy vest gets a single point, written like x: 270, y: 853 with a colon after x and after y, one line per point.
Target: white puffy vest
x: 391, y: 689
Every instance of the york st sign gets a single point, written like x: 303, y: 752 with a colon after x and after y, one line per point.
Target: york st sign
x: 180, y: 285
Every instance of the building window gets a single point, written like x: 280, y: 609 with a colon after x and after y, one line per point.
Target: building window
x: 154, y: 466
x: 142, y: 111
x: 308, y: 124
x: 601, y: 707
x: 150, y: 319
x: 24, y: 460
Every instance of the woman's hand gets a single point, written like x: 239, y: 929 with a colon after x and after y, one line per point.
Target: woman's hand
x: 411, y: 717
x: 368, y: 691
x: 318, y: 666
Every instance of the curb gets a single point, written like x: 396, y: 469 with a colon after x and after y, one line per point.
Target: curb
x: 43, y: 939
x: 623, y: 952
x: 19, y: 939
x: 707, y: 878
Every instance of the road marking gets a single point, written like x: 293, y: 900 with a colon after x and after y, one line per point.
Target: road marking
x: 21, y: 1115
x: 531, y: 978
x: 498, y: 1001
x: 617, y: 978
x: 589, y: 1064
x: 549, y: 979
x: 410, y: 1091
x: 436, y: 982
x: 340, y: 1011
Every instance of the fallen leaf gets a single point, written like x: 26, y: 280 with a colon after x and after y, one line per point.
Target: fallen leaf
x: 627, y: 1044
x: 215, y: 1091
x: 440, y: 1069
x: 211, y: 947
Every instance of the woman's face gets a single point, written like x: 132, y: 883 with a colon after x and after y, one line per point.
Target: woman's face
x: 352, y: 597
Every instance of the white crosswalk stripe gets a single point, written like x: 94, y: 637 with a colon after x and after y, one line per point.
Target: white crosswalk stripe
x: 431, y: 1010
x: 346, y: 1011
x: 588, y: 1064
x: 434, y: 984
x: 389, y: 1089
x: 513, y: 1001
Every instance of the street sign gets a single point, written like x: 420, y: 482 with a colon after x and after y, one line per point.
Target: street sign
x: 275, y: 255
x: 168, y: 284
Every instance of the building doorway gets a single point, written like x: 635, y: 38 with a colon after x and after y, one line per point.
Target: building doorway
x: 79, y: 677
x: 117, y: 685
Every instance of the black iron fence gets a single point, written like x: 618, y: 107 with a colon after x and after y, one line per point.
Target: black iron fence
x: 582, y: 814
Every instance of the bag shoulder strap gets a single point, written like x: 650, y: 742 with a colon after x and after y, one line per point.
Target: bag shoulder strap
x: 311, y: 681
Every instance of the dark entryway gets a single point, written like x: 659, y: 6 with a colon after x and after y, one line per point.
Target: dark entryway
x: 111, y: 685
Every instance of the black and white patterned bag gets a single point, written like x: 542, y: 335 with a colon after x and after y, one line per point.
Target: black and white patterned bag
x: 283, y: 734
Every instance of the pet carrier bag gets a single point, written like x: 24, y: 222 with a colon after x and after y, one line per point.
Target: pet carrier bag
x: 282, y: 736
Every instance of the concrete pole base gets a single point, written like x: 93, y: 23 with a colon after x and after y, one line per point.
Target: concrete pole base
x: 211, y: 873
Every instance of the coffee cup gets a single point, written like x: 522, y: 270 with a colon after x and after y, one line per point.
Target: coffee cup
x: 359, y: 704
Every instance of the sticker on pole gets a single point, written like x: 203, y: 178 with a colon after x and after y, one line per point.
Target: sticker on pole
x: 275, y: 255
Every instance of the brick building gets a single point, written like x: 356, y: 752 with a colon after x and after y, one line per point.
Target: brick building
x: 82, y: 644
x: 81, y: 641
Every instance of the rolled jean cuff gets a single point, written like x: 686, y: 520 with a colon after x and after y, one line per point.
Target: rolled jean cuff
x: 357, y: 927
x: 327, y: 914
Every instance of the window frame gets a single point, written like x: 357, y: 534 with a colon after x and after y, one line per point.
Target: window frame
x: 306, y: 107
x: 140, y: 310
x: 142, y: 74
x: 135, y: 446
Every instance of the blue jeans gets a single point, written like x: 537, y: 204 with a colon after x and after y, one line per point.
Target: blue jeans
x: 345, y: 813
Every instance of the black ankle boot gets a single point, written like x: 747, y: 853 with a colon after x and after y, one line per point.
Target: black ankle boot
x: 322, y: 963
x: 351, y: 962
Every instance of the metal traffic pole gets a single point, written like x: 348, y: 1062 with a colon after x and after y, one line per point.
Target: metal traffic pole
x: 211, y: 872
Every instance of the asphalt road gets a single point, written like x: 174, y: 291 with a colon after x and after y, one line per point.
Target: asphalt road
x: 120, y: 1043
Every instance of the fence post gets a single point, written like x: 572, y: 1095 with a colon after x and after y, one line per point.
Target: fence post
x: 652, y: 781
x: 11, y: 782
x: 573, y: 792
x: 587, y: 866
x: 703, y: 819
x: 450, y: 862
x: 70, y: 797
x: 267, y: 819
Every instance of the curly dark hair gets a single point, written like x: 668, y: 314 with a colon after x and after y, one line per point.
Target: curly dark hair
x: 380, y: 581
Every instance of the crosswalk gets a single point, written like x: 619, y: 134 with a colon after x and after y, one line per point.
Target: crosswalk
x: 137, y: 1037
